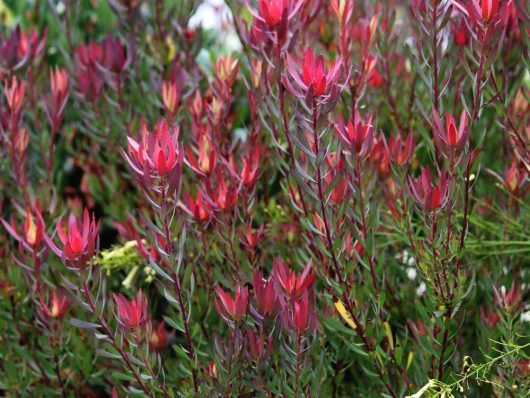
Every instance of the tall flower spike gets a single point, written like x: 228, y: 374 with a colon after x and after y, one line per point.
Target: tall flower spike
x: 78, y: 238
x: 131, y: 314
x: 314, y: 82
x: 229, y: 307
x: 428, y: 196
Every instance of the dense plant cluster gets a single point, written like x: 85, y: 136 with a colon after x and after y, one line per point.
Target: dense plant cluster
x: 308, y: 198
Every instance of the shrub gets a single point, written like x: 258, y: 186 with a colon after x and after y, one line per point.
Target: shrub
x: 309, y: 198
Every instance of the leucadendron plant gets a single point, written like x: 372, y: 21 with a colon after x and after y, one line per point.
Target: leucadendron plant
x: 265, y: 198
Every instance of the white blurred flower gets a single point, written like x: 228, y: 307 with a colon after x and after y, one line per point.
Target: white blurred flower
x: 60, y: 8
x: 421, y: 289
x: 412, y: 273
x: 525, y: 316
x: 215, y: 15
x: 211, y: 14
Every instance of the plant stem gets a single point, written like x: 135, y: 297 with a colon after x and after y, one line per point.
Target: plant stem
x: 298, y: 356
x: 176, y: 280
x: 112, y: 338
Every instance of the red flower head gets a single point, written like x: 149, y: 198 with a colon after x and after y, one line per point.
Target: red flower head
x: 249, y: 172
x: 14, y: 94
x: 450, y: 140
x: 252, y: 238
x: 114, y: 55
x: 272, y: 11
x: 59, y: 83
x: 19, y: 48
x: 375, y: 79
x: 266, y: 297
x: 288, y: 279
x: 301, y: 312
x: 488, y: 9
x: 489, y: 318
x: 275, y: 13
x: 59, y: 88
x: 200, y: 209
x: 89, y: 82
x: 485, y: 13
x: 338, y: 192
x: 399, y: 154
x: 523, y: 365
x: 429, y: 197
x: 514, y: 179
x: 159, y: 337
x: 315, y: 81
x: 58, y: 305
x: 379, y: 157
x: 256, y: 345
x: 417, y: 328
x: 33, y: 229
x: 358, y: 136
x: 227, y: 306
x: 31, y: 43
x: 90, y: 54
x: 354, y: 249
x: 170, y: 97
x: 226, y: 69
x: 508, y: 300
x: 343, y: 9
x: 205, y: 165
x: 226, y: 195
x: 79, y: 238
x: 460, y: 33
x: 131, y: 314
x: 158, y: 151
